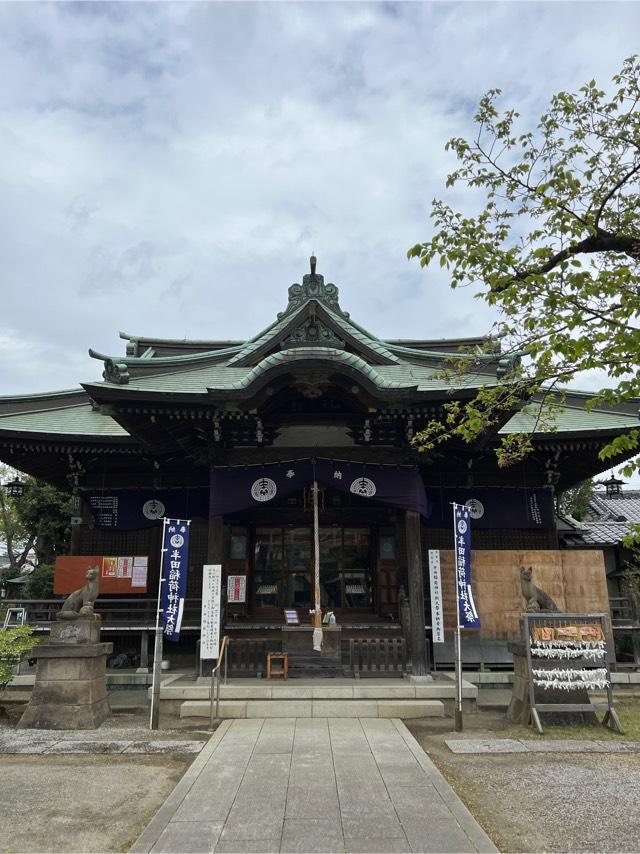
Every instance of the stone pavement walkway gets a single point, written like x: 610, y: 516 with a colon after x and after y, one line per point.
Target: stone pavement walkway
x: 524, y: 745
x: 111, y: 737
x: 37, y: 744
x: 313, y: 785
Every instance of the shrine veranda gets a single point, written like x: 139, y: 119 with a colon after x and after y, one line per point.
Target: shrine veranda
x: 231, y: 435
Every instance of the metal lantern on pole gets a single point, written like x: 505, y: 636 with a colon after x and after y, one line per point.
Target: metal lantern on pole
x: 613, y: 486
x: 15, y: 488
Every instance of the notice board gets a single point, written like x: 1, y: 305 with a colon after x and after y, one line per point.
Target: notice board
x: 118, y: 573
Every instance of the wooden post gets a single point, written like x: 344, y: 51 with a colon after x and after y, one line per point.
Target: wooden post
x: 154, y: 716
x: 144, y: 649
x: 215, y: 540
x: 419, y: 657
x: 215, y: 552
x: 75, y: 543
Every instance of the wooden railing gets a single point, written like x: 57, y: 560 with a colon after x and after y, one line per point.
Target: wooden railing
x: 248, y: 656
x: 125, y: 613
x: 623, y: 612
x: 377, y: 656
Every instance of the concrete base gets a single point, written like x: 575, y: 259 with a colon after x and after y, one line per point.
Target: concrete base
x: 70, y: 690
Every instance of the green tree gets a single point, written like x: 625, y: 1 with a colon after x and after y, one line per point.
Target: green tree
x: 40, y: 582
x: 35, y: 526
x: 45, y: 513
x: 14, y: 643
x: 13, y: 533
x: 575, y: 501
x: 555, y: 248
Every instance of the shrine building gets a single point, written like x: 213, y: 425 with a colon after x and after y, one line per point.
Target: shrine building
x: 232, y: 434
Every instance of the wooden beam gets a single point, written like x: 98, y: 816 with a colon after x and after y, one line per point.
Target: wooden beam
x: 419, y: 655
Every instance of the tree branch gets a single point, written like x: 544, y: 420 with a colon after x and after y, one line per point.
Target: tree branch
x: 601, y: 242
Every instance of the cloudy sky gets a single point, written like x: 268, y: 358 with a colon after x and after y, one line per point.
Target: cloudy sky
x: 169, y: 167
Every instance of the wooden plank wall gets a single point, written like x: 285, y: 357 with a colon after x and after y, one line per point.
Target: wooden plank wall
x: 575, y: 579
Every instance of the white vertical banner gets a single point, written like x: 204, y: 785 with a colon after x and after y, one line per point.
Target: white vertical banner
x: 210, y: 621
x: 435, y: 584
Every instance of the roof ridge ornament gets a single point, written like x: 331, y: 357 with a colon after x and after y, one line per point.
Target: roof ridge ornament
x: 313, y: 287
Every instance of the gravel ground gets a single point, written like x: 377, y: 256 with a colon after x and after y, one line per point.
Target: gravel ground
x: 81, y: 803
x: 88, y: 802
x: 541, y: 801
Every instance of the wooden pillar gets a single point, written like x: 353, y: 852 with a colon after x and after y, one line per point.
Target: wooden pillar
x: 215, y: 542
x: 215, y: 554
x: 419, y: 657
x: 144, y: 649
x: 79, y: 511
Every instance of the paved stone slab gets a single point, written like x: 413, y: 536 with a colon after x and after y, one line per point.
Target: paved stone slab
x: 561, y: 745
x: 248, y: 846
x: 165, y: 746
x: 88, y: 747
x: 193, y: 837
x: 312, y: 835
x: 366, y: 845
x: 313, y: 785
x: 619, y: 746
x: 496, y: 745
x: 564, y: 746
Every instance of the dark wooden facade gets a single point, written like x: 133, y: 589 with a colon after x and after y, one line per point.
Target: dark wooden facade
x: 313, y: 383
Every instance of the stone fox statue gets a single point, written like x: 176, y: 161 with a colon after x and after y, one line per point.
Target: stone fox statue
x: 80, y: 602
x: 536, y: 599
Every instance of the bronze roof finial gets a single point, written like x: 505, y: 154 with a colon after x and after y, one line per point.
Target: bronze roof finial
x: 313, y: 261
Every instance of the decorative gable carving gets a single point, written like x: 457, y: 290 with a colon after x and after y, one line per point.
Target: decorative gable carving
x: 313, y: 287
x: 312, y: 332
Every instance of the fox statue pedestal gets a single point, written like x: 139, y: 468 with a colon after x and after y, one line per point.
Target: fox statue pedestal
x: 70, y: 690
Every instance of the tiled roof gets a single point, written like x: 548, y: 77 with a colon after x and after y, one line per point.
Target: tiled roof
x: 75, y: 421
x: 604, y: 533
x: 625, y: 508
x: 223, y: 377
x: 569, y: 419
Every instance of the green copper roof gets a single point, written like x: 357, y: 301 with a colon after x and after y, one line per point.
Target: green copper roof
x: 77, y: 421
x: 569, y: 419
x: 222, y: 378
x: 337, y: 326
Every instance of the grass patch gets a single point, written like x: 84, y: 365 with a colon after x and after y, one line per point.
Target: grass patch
x: 628, y: 712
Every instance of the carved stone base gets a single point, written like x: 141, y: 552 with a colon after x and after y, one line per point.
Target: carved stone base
x: 70, y: 690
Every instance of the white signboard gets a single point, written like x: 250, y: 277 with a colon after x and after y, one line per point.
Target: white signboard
x: 237, y: 588
x: 210, y: 625
x: 437, y: 618
x: 139, y: 571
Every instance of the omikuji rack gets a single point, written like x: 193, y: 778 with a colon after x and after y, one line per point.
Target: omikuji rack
x: 588, y: 662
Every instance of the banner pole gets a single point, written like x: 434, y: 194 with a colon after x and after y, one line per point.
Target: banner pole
x: 458, y: 645
x: 154, y: 720
x: 458, y: 711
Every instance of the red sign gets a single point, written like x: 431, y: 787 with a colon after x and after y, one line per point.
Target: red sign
x: 118, y: 574
x: 236, y: 588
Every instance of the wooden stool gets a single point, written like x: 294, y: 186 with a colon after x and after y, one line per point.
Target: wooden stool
x: 282, y: 671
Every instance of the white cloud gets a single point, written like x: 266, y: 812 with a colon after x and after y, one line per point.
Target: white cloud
x: 168, y: 168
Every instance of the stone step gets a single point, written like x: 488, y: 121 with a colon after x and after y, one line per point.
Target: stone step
x: 312, y: 689
x: 291, y: 708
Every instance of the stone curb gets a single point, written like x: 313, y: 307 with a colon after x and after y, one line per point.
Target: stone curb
x: 465, y: 819
x: 151, y: 834
x: 493, y: 746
